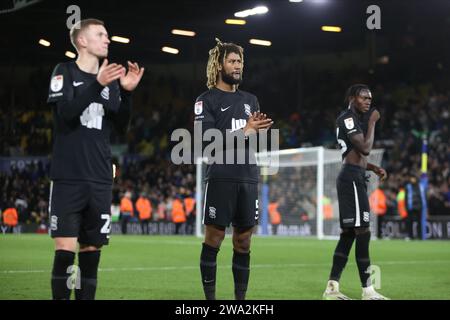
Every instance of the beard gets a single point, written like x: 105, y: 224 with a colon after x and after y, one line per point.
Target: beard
x: 228, y: 79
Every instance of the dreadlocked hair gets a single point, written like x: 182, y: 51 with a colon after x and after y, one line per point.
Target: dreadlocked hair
x: 354, y: 91
x: 217, y: 57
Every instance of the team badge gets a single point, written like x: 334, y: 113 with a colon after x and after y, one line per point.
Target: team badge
x: 247, y: 109
x: 212, y: 212
x: 56, y: 83
x: 366, y: 216
x: 349, y: 124
x: 198, y: 107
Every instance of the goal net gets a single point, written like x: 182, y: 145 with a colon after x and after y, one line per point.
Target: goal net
x: 297, y: 192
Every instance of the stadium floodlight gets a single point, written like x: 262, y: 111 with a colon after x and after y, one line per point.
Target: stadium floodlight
x: 295, y: 0
x: 260, y: 42
x: 331, y: 29
x: 260, y: 10
x: 236, y: 21
x: 70, y: 54
x: 120, y: 39
x: 251, y: 12
x: 170, y: 50
x: 185, y: 33
x: 44, y: 43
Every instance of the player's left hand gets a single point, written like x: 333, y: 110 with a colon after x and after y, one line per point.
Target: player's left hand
x: 259, y: 116
x: 130, y: 80
x: 381, y: 173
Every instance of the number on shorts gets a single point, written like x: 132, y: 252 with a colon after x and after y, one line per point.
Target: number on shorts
x: 107, y: 226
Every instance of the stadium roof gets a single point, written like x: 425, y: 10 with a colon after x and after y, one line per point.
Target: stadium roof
x: 291, y: 27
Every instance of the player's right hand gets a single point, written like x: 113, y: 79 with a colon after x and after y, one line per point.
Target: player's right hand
x: 109, y: 72
x: 375, y: 116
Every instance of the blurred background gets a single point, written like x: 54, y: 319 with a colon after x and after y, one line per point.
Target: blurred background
x: 297, y: 67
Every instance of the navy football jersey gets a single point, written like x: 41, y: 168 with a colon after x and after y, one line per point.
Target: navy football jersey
x: 347, y: 124
x: 84, y: 113
x: 224, y: 110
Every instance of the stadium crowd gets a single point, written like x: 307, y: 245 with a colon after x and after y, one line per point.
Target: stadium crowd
x: 408, y: 113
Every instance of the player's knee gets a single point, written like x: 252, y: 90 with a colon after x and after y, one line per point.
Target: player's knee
x: 241, y: 244
x: 66, y: 244
x: 348, y: 233
x: 214, y: 237
x: 214, y: 242
x: 362, y: 230
x: 88, y: 247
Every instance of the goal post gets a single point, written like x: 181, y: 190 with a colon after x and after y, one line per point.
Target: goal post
x: 297, y: 192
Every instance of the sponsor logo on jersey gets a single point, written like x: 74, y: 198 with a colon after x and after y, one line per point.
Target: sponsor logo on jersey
x: 92, y: 116
x: 225, y: 109
x: 56, y: 84
x: 212, y: 212
x: 247, y: 109
x: 349, y: 124
x: 105, y: 93
x: 198, y: 109
x: 77, y: 84
x: 237, y: 124
x: 366, y: 216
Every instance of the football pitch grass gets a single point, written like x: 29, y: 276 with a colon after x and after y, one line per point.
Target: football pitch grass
x: 282, y: 268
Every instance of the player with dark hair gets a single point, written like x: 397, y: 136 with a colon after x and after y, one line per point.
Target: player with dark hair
x: 355, y: 135
x: 231, y: 191
x: 88, y: 100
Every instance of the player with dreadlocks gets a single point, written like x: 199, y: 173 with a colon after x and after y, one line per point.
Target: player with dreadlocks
x: 231, y: 194
x: 355, y: 135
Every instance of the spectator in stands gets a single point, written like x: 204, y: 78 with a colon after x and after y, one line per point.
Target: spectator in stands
x: 144, y: 209
x: 378, y: 206
x: 126, y: 211
x: 189, y: 204
x: 274, y: 216
x: 413, y: 199
x: 10, y: 218
x: 178, y: 213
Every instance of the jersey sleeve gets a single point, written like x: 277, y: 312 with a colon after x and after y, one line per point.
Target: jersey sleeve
x: 60, y: 85
x: 349, y: 125
x: 203, y: 111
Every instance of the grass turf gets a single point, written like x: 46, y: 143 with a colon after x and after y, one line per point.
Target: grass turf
x: 167, y: 267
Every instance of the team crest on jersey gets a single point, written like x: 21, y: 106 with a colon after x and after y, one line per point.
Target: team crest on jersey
x: 247, y: 109
x: 198, y: 107
x: 366, y: 216
x: 349, y: 124
x: 56, y: 83
x: 212, y: 212
x: 105, y: 93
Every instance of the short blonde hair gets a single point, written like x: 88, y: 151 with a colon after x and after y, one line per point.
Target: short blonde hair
x: 80, y: 26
